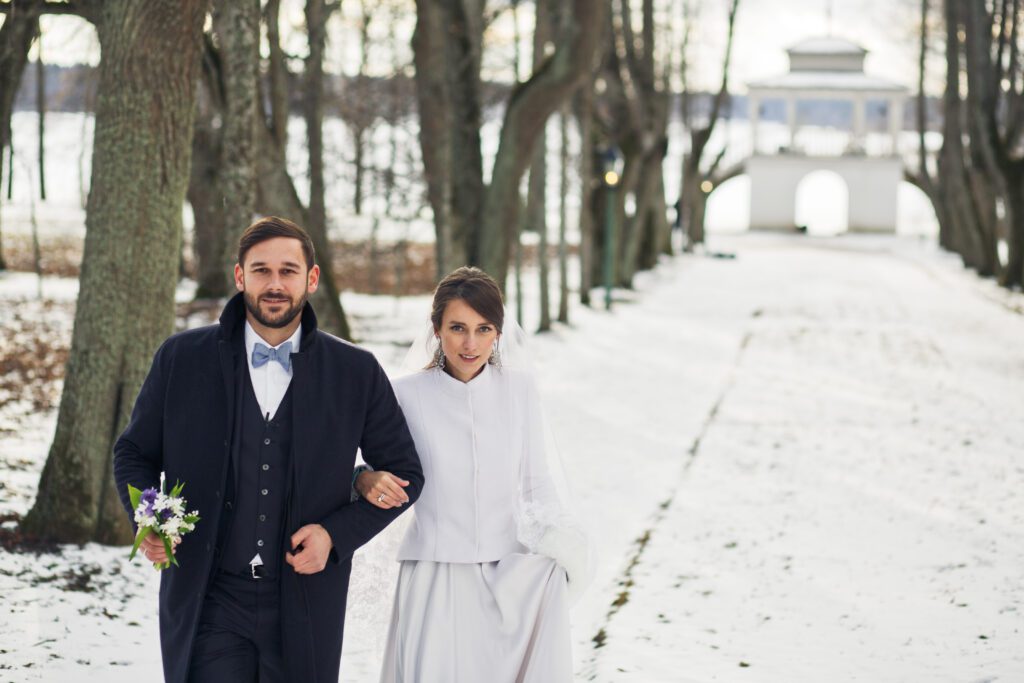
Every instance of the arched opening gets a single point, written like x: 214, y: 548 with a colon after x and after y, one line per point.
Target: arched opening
x: 728, y: 209
x: 915, y: 215
x: 822, y: 203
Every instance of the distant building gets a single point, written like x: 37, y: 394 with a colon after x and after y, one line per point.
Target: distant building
x: 830, y: 69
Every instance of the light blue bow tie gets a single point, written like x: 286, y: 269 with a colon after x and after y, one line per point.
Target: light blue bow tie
x: 262, y: 354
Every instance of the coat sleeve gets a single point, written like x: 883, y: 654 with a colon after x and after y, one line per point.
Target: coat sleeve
x: 386, y: 445
x: 138, y: 452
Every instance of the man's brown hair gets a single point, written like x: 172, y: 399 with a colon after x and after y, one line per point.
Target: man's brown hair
x: 270, y: 227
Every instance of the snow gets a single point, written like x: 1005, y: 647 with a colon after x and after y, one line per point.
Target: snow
x: 820, y: 440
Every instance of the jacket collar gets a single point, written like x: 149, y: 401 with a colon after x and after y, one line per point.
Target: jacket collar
x: 232, y: 319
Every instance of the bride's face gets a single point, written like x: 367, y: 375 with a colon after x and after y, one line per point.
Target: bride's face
x: 467, y: 339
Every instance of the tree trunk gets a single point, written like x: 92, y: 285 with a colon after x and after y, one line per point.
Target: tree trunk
x: 237, y: 26
x: 150, y: 53
x: 19, y: 28
x: 434, y: 100
x: 588, y: 183
x: 536, y: 204
x: 328, y: 297
x: 204, y: 195
x: 563, y: 221
x: 41, y: 113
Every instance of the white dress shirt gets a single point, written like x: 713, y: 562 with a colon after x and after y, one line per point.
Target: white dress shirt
x: 481, y: 449
x: 269, y: 381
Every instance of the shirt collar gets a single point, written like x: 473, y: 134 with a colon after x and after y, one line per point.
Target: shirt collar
x: 457, y: 387
x: 251, y: 338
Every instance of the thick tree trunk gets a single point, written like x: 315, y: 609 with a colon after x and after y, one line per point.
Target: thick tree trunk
x: 237, y: 26
x: 150, y: 54
x: 328, y: 297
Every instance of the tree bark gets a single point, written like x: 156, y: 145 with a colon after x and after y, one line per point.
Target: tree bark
x: 236, y: 24
x: 144, y: 115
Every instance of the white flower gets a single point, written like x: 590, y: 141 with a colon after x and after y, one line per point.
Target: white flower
x: 177, y: 506
x: 170, y: 527
x: 143, y: 520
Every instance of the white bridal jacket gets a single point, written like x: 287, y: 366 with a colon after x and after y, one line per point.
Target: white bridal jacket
x: 482, y: 447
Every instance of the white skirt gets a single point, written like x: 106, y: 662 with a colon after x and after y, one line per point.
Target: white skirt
x: 501, y: 622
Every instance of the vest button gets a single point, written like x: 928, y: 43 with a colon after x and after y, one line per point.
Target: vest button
x: 264, y: 492
x: 227, y: 505
x: 260, y: 543
x: 266, y: 442
x: 263, y: 518
x: 266, y: 467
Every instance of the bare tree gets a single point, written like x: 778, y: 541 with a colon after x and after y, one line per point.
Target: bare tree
x: 16, y: 34
x: 475, y: 221
x: 693, y: 194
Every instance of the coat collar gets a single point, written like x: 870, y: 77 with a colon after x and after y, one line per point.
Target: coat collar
x: 232, y: 319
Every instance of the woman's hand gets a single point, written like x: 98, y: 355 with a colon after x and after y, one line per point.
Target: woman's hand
x: 383, y: 489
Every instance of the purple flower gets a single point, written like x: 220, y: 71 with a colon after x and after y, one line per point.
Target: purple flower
x: 147, y: 499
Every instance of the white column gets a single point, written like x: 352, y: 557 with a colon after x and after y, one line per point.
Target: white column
x: 754, y: 104
x: 859, y: 121
x: 895, y: 122
x: 791, y: 119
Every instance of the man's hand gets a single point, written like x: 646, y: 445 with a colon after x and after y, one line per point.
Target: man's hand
x: 153, y: 548
x: 312, y: 556
x: 382, y: 489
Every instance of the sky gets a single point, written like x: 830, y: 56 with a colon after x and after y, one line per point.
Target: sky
x: 764, y: 29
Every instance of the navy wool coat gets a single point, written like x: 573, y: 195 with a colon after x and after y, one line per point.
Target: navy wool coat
x: 182, y: 425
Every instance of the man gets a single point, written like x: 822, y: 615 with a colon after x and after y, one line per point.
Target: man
x: 261, y: 415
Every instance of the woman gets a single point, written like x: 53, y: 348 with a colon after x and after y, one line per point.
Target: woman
x: 482, y: 589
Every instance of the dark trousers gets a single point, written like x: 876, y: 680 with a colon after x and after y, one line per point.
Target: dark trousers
x: 239, y: 636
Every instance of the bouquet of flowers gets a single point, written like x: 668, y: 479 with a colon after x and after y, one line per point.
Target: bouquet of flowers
x: 162, y: 514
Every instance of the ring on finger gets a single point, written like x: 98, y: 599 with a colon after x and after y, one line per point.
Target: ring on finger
x: 380, y: 498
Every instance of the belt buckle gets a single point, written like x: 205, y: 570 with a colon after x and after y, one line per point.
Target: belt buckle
x: 257, y: 571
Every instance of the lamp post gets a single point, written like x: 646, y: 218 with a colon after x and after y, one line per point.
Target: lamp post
x: 612, y: 159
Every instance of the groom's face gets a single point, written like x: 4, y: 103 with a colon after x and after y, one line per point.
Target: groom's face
x: 275, y: 282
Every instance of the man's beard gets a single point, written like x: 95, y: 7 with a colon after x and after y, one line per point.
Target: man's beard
x: 281, y: 319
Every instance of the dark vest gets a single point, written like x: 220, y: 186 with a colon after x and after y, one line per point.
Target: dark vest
x: 257, y: 502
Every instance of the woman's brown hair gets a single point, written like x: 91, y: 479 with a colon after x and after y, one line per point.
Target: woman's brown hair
x: 476, y: 288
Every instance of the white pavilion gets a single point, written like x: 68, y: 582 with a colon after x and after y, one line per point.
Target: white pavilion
x: 827, y: 69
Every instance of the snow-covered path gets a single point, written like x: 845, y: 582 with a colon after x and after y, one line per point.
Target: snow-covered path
x: 853, y: 506
x: 805, y: 464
